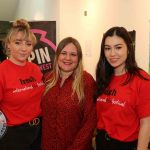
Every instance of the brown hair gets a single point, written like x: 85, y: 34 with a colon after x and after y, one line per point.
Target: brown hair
x: 77, y: 86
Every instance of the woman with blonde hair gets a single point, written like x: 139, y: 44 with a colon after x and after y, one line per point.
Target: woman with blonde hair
x: 21, y: 88
x: 67, y: 106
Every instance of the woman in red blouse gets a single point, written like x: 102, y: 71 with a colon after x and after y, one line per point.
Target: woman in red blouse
x: 69, y: 116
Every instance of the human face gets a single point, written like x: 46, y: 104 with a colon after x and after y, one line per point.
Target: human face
x: 116, y: 51
x: 68, y: 59
x: 20, y: 49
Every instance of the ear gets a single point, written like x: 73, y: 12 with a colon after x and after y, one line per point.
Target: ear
x: 8, y: 46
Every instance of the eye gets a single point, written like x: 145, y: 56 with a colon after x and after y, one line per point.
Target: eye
x: 63, y: 53
x: 29, y: 44
x: 107, y: 48
x: 118, y: 47
x: 73, y: 54
x: 17, y: 42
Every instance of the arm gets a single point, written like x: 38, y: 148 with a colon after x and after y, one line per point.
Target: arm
x: 1, y: 91
x: 144, y: 134
x: 143, y: 109
x: 83, y: 139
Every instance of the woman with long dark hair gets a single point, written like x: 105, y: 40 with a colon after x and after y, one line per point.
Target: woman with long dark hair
x: 122, y: 97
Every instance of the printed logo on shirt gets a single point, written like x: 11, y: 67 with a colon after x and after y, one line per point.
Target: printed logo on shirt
x: 110, y: 92
x: 28, y: 80
x: 112, y: 99
x: 38, y: 84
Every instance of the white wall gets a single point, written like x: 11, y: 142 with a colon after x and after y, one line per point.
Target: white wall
x: 43, y: 10
x: 7, y: 9
x: 101, y: 15
x: 37, y: 9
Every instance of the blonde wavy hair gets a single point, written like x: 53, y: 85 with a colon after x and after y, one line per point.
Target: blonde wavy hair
x: 77, y: 86
x: 20, y: 25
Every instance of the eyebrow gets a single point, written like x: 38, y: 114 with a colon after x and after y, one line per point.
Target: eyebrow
x: 118, y: 44
x: 114, y: 45
x: 20, y: 40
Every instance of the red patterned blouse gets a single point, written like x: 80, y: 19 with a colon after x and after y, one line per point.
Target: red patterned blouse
x: 67, y: 124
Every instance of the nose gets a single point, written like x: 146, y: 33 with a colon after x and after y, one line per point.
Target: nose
x: 67, y: 56
x: 112, y: 52
x: 24, y: 47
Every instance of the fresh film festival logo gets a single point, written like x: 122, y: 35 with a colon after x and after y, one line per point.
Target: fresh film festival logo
x: 43, y: 54
x: 3, y: 125
x: 113, y: 101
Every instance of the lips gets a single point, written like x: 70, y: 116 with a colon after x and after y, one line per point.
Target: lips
x: 113, y: 60
x: 67, y: 63
x: 23, y: 54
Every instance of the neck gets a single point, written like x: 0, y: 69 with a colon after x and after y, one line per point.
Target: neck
x: 17, y: 62
x: 64, y: 76
x: 121, y: 72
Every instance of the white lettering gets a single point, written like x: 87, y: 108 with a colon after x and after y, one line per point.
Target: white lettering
x: 31, y: 57
x: 38, y: 56
x: 117, y: 102
x: 44, y: 55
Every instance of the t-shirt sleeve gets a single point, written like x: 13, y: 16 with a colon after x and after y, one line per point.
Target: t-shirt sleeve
x: 1, y: 88
x: 37, y: 70
x: 143, y: 105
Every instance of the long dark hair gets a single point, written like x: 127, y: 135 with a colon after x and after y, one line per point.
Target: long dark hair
x: 105, y: 71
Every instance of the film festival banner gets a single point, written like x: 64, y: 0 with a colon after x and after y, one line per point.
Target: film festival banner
x: 44, y: 51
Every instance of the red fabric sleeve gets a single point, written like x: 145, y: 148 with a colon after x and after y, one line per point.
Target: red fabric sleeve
x: 1, y: 87
x: 84, y: 137
x: 143, y: 105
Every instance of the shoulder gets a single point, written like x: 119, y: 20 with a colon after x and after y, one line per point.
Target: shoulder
x: 47, y: 76
x: 87, y: 75
x: 5, y: 64
x: 88, y: 78
x: 141, y: 80
x: 34, y: 69
x: 4, y: 69
x: 143, y: 75
x: 33, y: 66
